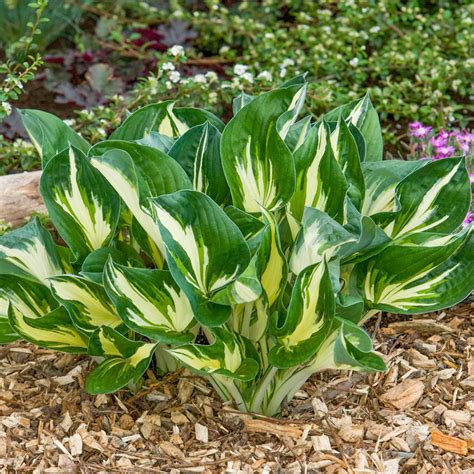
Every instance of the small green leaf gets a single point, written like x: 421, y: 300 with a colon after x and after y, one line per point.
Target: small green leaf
x: 125, y: 361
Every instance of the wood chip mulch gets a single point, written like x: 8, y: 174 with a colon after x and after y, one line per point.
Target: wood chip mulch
x: 417, y: 417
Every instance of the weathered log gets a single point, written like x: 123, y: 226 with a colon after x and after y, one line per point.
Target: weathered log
x: 20, y: 197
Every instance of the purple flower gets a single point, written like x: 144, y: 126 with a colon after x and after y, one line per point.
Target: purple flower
x: 464, y: 146
x: 440, y: 140
x: 469, y: 218
x: 471, y: 178
x: 445, y: 151
x: 418, y: 130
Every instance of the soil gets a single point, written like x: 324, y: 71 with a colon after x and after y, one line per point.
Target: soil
x: 414, y: 418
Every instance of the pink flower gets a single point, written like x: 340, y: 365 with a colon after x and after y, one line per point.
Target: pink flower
x: 445, y: 151
x: 440, y: 140
x: 464, y: 146
x: 418, y: 130
x: 471, y: 178
x: 469, y: 218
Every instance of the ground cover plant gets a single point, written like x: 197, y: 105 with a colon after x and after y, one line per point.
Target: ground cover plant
x: 414, y: 57
x: 251, y: 252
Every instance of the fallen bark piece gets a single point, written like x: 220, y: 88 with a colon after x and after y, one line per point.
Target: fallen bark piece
x: 20, y: 197
x: 449, y: 443
x: 404, y: 395
x: 262, y: 426
x: 422, y: 326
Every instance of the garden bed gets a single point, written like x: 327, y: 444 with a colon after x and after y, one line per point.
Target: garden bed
x: 344, y: 422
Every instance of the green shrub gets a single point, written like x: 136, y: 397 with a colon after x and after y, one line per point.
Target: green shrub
x: 251, y: 253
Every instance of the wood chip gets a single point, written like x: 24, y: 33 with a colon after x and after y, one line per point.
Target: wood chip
x: 171, y: 450
x: 202, y: 433
x: 262, y: 426
x: 405, y: 394
x: 351, y: 433
x: 449, y: 443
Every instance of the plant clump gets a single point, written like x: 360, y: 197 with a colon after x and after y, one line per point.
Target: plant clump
x: 250, y: 252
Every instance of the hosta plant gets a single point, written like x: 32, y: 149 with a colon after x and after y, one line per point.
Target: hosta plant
x: 250, y: 252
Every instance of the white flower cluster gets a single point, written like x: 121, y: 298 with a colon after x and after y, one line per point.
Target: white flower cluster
x: 241, y: 70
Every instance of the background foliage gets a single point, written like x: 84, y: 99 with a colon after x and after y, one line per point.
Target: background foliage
x: 112, y: 56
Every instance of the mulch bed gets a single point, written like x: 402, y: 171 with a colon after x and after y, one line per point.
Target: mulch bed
x: 414, y: 418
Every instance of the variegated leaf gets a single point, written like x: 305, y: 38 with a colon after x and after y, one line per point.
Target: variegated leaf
x: 230, y: 355
x: 241, y: 101
x: 320, y: 182
x: 32, y: 299
x: 272, y: 264
x: 49, y: 134
x: 198, y: 152
x: 125, y: 361
x: 361, y: 114
x: 83, y: 206
x: 138, y: 173
x: 163, y: 118
x: 424, y: 199
x: 346, y: 153
x: 309, y: 318
x: 30, y: 251
x: 53, y: 331
x: 319, y: 238
x: 121, y: 252
x: 297, y: 133
x: 150, y: 302
x: 205, y: 249
x: 420, y: 273
x: 86, y: 302
x: 245, y: 289
x: 381, y: 180
x: 257, y: 163
x: 349, y: 347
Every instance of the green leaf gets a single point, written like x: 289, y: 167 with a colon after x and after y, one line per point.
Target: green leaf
x: 297, y: 133
x: 121, y: 252
x: 245, y: 289
x: 353, y: 350
x: 30, y: 251
x: 83, y: 206
x: 125, y: 361
x: 158, y: 141
x: 138, y: 173
x: 420, y: 273
x: 257, y: 164
x: 230, y: 355
x: 361, y: 114
x: 86, y: 302
x: 198, y: 152
x: 241, y: 101
x: 32, y: 299
x: 320, y: 238
x: 424, y: 199
x: 320, y: 182
x: 381, y: 180
x: 52, y: 331
x: 150, y: 302
x: 49, y: 134
x: 346, y: 153
x: 191, y: 224
x: 164, y: 119
x: 309, y: 318
x: 272, y: 264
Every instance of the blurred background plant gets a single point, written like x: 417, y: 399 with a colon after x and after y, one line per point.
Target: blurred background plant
x: 114, y: 56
